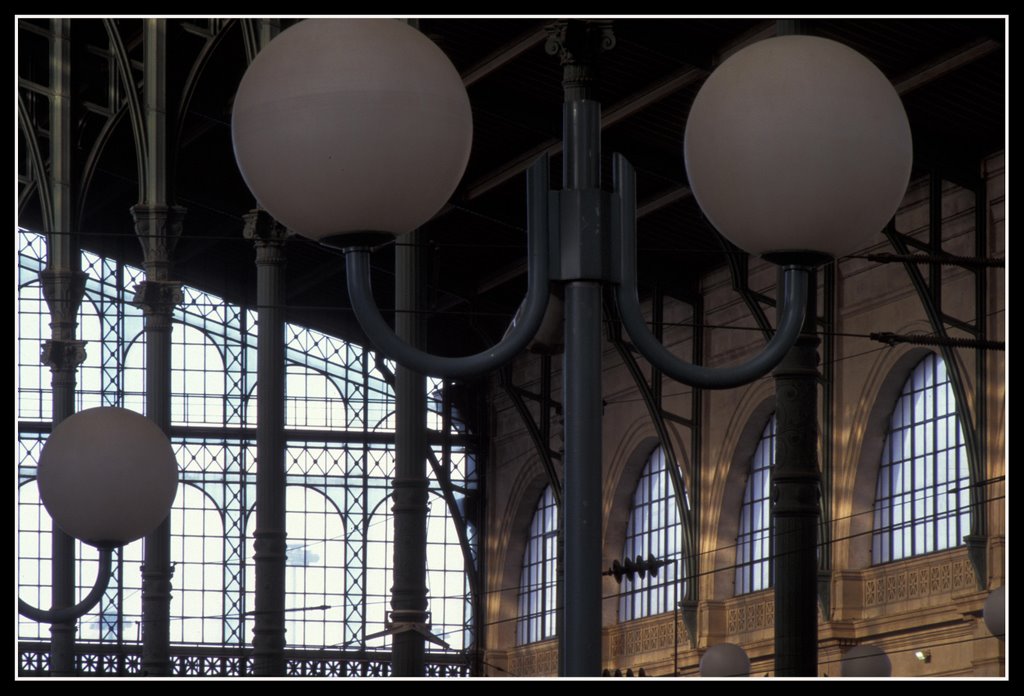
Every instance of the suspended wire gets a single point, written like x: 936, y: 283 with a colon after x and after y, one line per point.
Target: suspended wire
x: 636, y: 586
x: 197, y: 304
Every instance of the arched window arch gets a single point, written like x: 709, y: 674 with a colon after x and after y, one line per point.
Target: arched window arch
x: 754, y: 541
x: 922, y: 496
x: 653, y: 530
x: 538, y: 583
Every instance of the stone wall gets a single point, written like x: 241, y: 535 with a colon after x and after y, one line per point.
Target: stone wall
x: 929, y: 603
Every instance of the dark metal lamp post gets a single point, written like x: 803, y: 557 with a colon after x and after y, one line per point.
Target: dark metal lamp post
x: 107, y: 476
x: 352, y: 131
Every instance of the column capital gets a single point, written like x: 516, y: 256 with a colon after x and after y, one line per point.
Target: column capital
x: 577, y: 43
x: 63, y: 290
x: 158, y: 228
x: 267, y: 234
x: 62, y: 356
x: 157, y: 298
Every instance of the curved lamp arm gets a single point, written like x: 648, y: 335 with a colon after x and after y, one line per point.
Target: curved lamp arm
x: 793, y: 306
x: 357, y: 270
x: 67, y: 614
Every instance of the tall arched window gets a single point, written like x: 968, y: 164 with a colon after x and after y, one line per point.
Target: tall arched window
x: 538, y: 586
x: 922, y: 499
x: 754, y: 542
x: 653, y: 530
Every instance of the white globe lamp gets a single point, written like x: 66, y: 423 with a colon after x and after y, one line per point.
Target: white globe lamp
x: 798, y: 144
x: 107, y: 476
x: 994, y: 611
x: 725, y: 660
x: 347, y: 130
x: 865, y: 661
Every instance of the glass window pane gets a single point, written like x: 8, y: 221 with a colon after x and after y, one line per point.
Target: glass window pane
x: 916, y: 509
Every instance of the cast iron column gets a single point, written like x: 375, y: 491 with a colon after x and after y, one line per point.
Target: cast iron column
x: 63, y: 286
x: 795, y: 501
x: 409, y: 591
x: 158, y: 228
x: 270, y: 536
x: 583, y: 268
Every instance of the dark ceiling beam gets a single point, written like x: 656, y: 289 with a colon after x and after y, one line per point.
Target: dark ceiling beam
x: 667, y: 198
x: 763, y: 31
x: 509, y: 273
x: 503, y: 56
x: 622, y: 110
x: 328, y: 269
x: 945, y: 64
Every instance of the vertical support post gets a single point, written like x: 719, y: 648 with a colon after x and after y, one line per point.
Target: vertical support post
x: 158, y: 227
x: 795, y: 501
x: 157, y: 300
x: 582, y: 500
x: 270, y: 536
x: 976, y: 538
x: 828, y: 443
x: 63, y: 288
x: 409, y: 591
x: 584, y: 270
x: 693, y: 570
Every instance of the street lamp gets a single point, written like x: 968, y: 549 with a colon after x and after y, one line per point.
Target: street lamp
x: 348, y: 131
x: 107, y: 476
x: 865, y: 661
x: 725, y: 660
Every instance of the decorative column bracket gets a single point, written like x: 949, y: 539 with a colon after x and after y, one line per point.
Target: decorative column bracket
x: 577, y: 44
x: 63, y: 291
x: 158, y: 228
x: 157, y: 300
x: 266, y: 233
x: 62, y: 356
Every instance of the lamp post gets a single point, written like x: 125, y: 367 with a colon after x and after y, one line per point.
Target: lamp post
x: 321, y: 130
x: 107, y: 476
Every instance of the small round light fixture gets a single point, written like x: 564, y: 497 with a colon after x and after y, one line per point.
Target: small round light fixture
x: 994, y: 611
x: 344, y: 127
x: 725, y: 660
x: 865, y: 661
x: 107, y: 476
x: 798, y: 144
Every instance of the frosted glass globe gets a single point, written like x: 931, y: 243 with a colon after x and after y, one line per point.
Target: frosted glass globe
x: 351, y: 125
x: 798, y: 143
x: 107, y: 476
x: 725, y: 660
x: 865, y: 661
x: 994, y: 611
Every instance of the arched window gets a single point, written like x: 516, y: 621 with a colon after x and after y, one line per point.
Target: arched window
x: 538, y: 587
x: 922, y: 498
x: 754, y: 542
x: 653, y: 530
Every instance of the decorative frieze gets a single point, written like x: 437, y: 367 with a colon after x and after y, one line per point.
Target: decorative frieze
x: 534, y: 660
x: 903, y: 582
x: 751, y: 616
x: 647, y: 635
